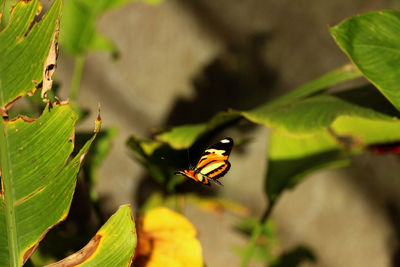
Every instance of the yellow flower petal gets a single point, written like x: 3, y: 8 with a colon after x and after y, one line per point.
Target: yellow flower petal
x: 167, y: 239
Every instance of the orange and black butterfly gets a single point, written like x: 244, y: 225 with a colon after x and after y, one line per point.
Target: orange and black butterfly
x: 213, y: 164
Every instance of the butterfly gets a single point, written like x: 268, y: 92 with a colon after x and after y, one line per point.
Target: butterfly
x: 213, y: 163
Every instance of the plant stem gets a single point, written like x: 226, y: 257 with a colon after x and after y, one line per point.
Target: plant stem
x: 255, y: 235
x: 77, y: 77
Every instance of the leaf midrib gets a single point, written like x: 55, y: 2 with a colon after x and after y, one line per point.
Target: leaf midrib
x: 9, y: 196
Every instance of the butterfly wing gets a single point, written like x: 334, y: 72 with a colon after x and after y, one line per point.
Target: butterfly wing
x: 214, y: 161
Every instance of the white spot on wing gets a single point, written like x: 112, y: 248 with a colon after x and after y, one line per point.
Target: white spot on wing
x: 225, y: 141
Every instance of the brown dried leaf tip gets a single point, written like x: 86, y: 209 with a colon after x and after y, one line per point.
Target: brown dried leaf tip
x: 81, y: 256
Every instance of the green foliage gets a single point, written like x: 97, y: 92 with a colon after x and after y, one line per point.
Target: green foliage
x: 6, y: 7
x: 38, y: 185
x: 38, y: 171
x: 372, y: 42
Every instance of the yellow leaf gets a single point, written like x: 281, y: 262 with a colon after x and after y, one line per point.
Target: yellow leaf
x: 167, y: 239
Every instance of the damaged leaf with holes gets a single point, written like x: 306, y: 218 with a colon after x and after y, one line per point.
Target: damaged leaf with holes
x: 27, y: 52
x: 38, y: 172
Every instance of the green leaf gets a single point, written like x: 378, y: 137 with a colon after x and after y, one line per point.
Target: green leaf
x: 38, y: 181
x: 184, y: 136
x: 24, y: 51
x: 290, y: 159
x: 310, y: 115
x: 372, y: 42
x: 113, y: 245
x: 322, y: 132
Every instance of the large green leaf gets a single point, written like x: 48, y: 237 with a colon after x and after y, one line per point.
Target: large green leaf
x: 24, y: 51
x: 184, y: 136
x: 313, y: 114
x: 290, y: 159
x: 322, y: 132
x: 372, y: 42
x: 38, y: 181
x: 113, y: 244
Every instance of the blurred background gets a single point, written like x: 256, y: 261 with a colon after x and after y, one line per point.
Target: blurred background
x: 182, y: 61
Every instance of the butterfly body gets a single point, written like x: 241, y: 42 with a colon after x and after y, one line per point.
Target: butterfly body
x: 213, y: 163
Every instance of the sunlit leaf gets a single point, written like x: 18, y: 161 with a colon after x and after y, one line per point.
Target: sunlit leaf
x: 290, y: 159
x: 38, y: 180
x: 322, y: 132
x: 372, y: 42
